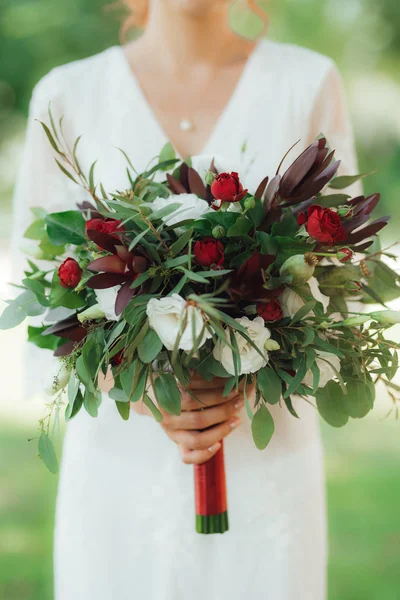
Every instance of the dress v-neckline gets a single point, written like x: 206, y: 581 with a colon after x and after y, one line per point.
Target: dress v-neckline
x: 222, y: 117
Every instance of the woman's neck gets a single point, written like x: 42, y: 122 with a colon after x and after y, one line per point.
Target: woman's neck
x: 186, y: 41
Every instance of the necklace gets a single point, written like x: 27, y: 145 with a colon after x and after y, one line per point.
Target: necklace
x: 186, y: 124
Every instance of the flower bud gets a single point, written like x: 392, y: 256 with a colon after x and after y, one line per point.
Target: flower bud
x: 352, y: 286
x: 218, y: 232
x: 91, y: 313
x: 344, y: 255
x: 355, y: 321
x: 209, y: 178
x: 300, y: 269
x: 387, y: 317
x: 271, y: 345
x: 345, y: 212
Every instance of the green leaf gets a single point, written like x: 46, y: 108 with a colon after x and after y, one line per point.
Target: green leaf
x: 181, y: 242
x: 303, y: 311
x: 66, y: 227
x: 84, y: 375
x: 47, y: 453
x: 162, y: 213
x: 50, y: 342
x: 92, y: 352
x: 64, y: 170
x: 36, y: 230
x: 167, y: 153
x: 262, y: 427
x: 124, y: 409
x: 61, y: 296
x: 153, y: 408
x: 270, y: 385
x: 194, y: 276
x: 357, y: 402
x: 91, y: 402
x: 141, y: 279
x: 267, y: 243
x: 12, y: 316
x: 72, y: 409
x: 38, y: 288
x: 340, y: 183
x: 150, y: 347
x: 241, y: 227
x: 167, y: 393
x: 330, y: 404
x: 333, y: 200
x: 297, y: 379
x: 50, y: 136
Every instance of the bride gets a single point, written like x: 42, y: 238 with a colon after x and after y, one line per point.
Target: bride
x: 124, y: 521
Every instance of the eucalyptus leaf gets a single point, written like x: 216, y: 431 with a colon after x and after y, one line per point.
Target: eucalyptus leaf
x: 167, y: 393
x: 47, y: 452
x: 262, y: 427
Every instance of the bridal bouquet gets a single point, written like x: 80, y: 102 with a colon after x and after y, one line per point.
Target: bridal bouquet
x: 187, y: 270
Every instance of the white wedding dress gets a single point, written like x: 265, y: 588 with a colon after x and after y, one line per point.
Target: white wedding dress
x: 125, y: 524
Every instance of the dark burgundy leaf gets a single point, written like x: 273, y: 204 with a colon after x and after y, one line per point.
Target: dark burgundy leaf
x: 350, y: 225
x: 370, y: 203
x: 261, y: 188
x: 107, y: 264
x: 196, y: 185
x: 175, y: 185
x: 368, y: 231
x: 124, y: 253
x: 76, y: 334
x: 69, y: 322
x: 355, y: 201
x: 65, y: 349
x: 124, y: 296
x: 106, y: 280
x: 105, y: 241
x: 363, y: 246
x: 139, y: 264
x: 298, y: 170
x: 183, y: 175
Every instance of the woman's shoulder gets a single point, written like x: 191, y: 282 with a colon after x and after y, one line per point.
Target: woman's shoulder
x: 295, y: 62
x: 75, y: 80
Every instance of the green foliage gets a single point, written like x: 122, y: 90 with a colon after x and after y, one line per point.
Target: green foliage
x: 262, y: 427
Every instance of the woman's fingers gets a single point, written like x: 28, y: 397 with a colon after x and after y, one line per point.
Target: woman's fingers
x: 198, y: 457
x: 202, y: 419
x: 203, y: 440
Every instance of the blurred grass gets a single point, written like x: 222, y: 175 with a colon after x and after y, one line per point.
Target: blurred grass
x: 363, y: 507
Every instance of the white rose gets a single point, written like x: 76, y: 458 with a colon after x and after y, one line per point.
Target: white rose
x: 106, y: 302
x: 192, y: 207
x: 250, y: 360
x: 291, y: 301
x: 166, y: 316
x: 56, y: 379
x: 325, y: 361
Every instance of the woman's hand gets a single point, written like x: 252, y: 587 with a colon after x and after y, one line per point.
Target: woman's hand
x: 203, y: 423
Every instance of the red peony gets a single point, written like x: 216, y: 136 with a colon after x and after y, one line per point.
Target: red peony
x: 209, y: 252
x: 109, y: 226
x: 226, y: 187
x: 69, y: 273
x: 270, y: 311
x: 324, y: 225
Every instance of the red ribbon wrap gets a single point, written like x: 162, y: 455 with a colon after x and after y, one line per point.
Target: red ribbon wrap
x: 210, y: 485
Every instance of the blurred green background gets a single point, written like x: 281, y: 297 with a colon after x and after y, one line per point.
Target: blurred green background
x: 363, y: 465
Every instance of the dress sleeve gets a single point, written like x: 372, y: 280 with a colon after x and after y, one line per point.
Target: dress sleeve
x: 330, y: 116
x: 39, y: 183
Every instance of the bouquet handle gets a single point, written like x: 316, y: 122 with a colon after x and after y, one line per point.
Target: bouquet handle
x: 210, y: 495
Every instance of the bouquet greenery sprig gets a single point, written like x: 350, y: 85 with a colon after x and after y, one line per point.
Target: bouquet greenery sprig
x: 188, y: 270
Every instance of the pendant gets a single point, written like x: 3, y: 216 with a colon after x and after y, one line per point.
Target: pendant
x: 185, y: 125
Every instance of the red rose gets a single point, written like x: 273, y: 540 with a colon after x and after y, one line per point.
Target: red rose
x: 109, y: 226
x: 301, y: 218
x: 270, y: 311
x: 69, y: 273
x: 226, y: 187
x: 118, y: 359
x: 324, y: 225
x: 209, y: 252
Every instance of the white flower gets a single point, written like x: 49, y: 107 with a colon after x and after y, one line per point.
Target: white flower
x: 57, y: 379
x: 291, y: 301
x: 106, y: 302
x: 192, y: 207
x: 324, y: 361
x: 166, y: 316
x: 93, y: 312
x: 250, y: 360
